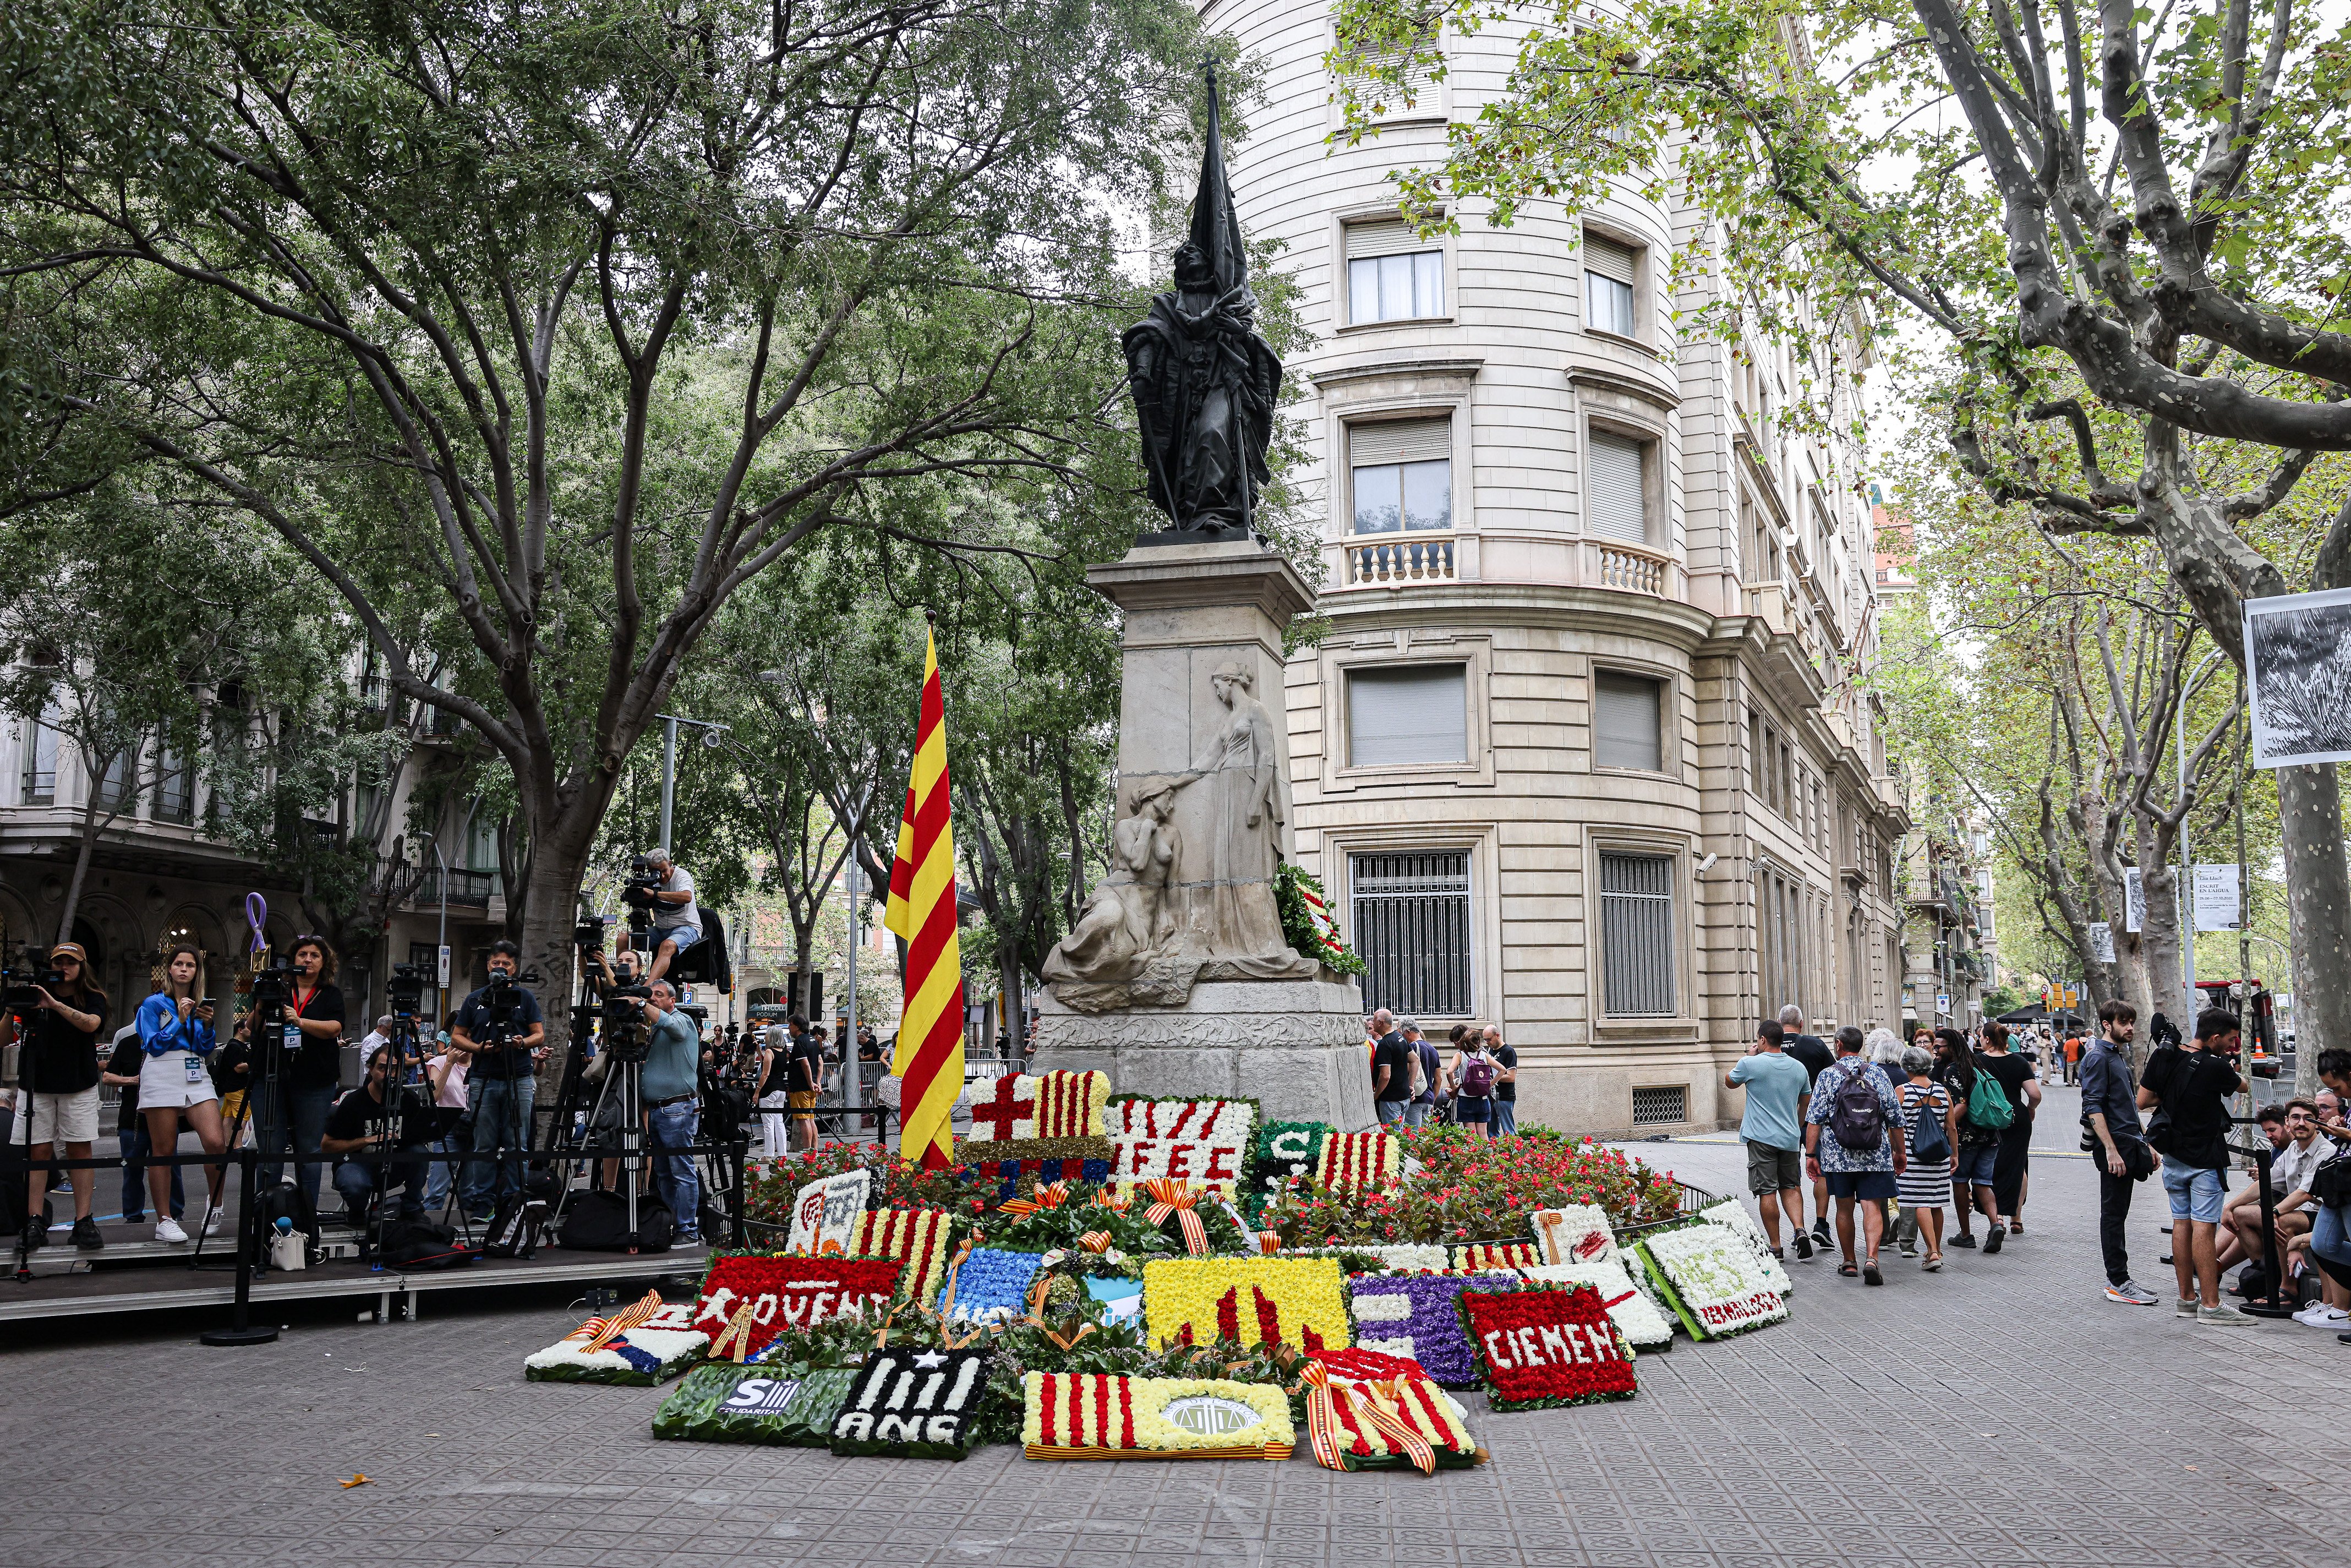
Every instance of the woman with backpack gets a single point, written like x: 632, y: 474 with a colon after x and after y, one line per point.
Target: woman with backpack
x: 1933, y: 1121
x: 1983, y: 1116
x: 2020, y: 1086
x: 1475, y: 1071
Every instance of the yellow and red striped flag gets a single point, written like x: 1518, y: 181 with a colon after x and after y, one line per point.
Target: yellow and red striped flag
x: 922, y: 911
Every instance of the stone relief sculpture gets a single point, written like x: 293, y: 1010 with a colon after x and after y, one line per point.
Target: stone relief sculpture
x: 1177, y: 909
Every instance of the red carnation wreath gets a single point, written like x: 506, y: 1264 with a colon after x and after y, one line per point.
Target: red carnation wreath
x: 790, y: 1292
x: 1546, y: 1347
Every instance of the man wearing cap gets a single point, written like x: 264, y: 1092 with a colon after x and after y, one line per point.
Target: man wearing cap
x: 58, y: 1070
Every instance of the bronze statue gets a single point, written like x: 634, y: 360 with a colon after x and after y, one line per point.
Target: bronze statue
x: 1205, y: 383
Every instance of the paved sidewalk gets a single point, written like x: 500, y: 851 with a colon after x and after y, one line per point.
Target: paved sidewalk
x: 1998, y: 1414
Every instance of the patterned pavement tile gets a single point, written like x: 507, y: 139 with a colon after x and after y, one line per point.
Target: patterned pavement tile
x: 1999, y: 1414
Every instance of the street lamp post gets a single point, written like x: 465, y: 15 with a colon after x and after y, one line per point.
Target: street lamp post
x: 670, y: 721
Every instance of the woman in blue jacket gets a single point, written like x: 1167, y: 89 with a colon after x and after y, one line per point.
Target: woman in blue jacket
x: 175, y: 1030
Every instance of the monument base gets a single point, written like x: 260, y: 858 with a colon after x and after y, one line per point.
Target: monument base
x: 1296, y: 1047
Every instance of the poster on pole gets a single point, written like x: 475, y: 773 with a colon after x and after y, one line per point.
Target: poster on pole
x: 2216, y: 898
x: 2298, y: 678
x: 2134, y: 901
x: 2102, y: 942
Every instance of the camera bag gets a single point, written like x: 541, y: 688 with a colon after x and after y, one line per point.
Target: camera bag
x: 598, y: 1222
x: 422, y: 1244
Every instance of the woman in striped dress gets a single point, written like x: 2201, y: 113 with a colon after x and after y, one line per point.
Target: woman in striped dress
x: 1922, y: 1187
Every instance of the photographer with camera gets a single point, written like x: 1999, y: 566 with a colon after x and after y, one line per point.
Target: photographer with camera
x: 671, y: 1085
x: 310, y: 1071
x: 659, y: 884
x: 175, y: 1037
x: 57, y: 1019
x: 500, y: 1031
x: 377, y: 1110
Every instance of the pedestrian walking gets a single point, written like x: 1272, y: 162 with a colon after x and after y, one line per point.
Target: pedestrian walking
x: 2110, y: 1113
x: 1984, y: 1113
x: 2012, y: 1149
x: 1814, y: 1052
x: 1779, y: 1093
x: 1932, y: 1122
x: 2192, y: 1084
x: 1422, y: 1108
x: 1853, y: 1142
x: 1884, y: 1048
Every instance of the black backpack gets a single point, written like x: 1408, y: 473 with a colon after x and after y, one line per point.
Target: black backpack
x: 418, y: 1244
x: 1929, y: 1144
x: 515, y: 1226
x: 598, y: 1222
x: 1855, y: 1116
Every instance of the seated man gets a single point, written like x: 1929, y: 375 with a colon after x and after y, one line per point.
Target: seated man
x: 2292, y: 1131
x: 677, y: 924
x: 358, y: 1124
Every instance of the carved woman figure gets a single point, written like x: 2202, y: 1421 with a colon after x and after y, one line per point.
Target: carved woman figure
x: 1243, y: 767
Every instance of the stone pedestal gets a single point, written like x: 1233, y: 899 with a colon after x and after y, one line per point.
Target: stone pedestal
x: 1296, y: 1047
x: 1220, y: 1005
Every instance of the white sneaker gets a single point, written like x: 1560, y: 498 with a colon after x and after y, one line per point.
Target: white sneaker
x: 2319, y: 1315
x: 168, y: 1230
x: 213, y: 1219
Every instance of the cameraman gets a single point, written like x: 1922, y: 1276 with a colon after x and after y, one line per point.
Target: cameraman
x: 677, y: 924
x: 359, y: 1120
x: 671, y: 1085
x: 308, y: 1074
x: 57, y: 1069
x: 501, y: 1079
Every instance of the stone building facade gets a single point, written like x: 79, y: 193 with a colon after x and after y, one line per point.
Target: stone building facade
x: 1585, y: 752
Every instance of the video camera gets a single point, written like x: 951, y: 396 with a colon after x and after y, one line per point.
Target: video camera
x: 405, y: 991
x: 588, y: 935
x: 625, y: 1036
x: 501, y: 996
x: 637, y: 892
x: 33, y: 969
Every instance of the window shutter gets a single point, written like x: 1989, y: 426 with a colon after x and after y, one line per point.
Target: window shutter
x: 1624, y: 722
x: 1400, y: 717
x: 1390, y: 237
x: 1618, y: 509
x: 1399, y: 441
x: 1610, y: 259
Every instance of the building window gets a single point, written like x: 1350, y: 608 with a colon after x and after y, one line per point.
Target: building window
x: 113, y: 787
x: 40, y: 778
x: 1620, y: 508
x: 1412, y: 926
x: 1610, y: 268
x: 1403, y: 474
x: 1636, y: 933
x: 1399, y: 718
x: 1626, y: 730
x: 1420, y: 84
x: 176, y: 787
x: 1392, y: 275
x: 1780, y: 941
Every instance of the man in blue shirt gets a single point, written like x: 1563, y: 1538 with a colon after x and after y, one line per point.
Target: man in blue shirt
x: 2110, y: 1109
x: 1779, y: 1092
x: 670, y: 1085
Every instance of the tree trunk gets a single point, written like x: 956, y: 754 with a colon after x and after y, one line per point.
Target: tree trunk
x: 558, y: 865
x: 2167, y: 987
x: 2319, y: 905
x: 81, y: 864
x: 1009, y: 978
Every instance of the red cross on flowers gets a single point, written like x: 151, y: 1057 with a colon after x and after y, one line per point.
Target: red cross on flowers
x: 1002, y: 1111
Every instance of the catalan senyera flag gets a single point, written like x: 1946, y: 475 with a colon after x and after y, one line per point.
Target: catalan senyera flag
x: 922, y: 911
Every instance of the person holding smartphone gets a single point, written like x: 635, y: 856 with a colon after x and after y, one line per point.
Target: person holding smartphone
x: 175, y: 1035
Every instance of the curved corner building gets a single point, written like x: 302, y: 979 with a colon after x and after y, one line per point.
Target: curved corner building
x: 1593, y: 620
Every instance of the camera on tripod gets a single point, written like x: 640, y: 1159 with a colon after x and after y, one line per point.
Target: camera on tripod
x: 588, y: 935
x: 624, y: 1036
x: 31, y: 971
x: 405, y: 991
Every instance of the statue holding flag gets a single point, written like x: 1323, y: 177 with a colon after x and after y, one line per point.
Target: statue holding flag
x: 1205, y: 383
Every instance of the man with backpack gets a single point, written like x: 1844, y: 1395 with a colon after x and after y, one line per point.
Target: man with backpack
x: 2192, y: 1086
x: 1854, y: 1139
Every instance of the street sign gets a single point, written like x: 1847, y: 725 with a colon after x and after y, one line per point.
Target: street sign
x: 444, y: 981
x: 2216, y: 898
